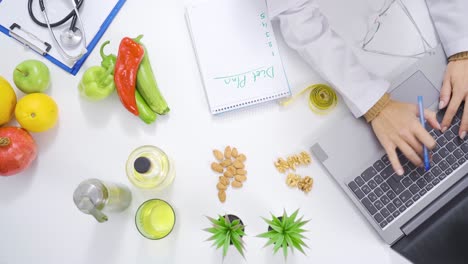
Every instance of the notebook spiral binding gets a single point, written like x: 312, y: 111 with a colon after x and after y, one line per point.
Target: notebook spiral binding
x: 250, y: 102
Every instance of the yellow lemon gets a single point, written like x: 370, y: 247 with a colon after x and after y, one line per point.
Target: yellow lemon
x: 7, y: 101
x: 36, y: 112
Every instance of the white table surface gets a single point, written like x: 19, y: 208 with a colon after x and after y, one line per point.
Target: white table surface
x: 40, y: 223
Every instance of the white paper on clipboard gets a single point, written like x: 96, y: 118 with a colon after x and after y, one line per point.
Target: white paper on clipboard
x: 93, y: 14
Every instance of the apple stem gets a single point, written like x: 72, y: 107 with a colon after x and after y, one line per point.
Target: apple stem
x: 5, y: 141
x: 24, y: 74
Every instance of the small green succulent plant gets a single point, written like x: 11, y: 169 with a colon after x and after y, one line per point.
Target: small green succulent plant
x: 285, y: 232
x: 227, y: 230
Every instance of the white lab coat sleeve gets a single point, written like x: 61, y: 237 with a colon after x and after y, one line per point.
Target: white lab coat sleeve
x: 451, y: 21
x: 307, y: 31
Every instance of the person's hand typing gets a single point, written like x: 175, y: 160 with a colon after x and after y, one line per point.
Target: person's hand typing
x: 398, y: 126
x: 454, y: 92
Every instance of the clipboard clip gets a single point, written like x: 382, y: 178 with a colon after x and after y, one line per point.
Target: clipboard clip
x: 27, y: 43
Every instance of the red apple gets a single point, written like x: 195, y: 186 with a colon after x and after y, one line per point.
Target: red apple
x: 17, y: 150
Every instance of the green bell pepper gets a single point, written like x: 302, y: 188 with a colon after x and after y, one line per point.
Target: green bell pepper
x: 145, y: 112
x: 97, y: 82
x: 108, y: 61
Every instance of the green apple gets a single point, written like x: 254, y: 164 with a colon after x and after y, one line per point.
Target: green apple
x: 32, y: 76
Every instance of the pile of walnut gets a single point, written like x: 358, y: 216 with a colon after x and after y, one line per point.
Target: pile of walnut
x: 294, y: 180
x: 231, y: 165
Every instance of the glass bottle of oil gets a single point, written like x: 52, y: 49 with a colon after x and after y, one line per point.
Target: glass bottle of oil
x: 148, y: 167
x: 96, y: 197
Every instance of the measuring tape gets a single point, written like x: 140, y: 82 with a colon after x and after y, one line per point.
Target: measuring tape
x: 322, y: 98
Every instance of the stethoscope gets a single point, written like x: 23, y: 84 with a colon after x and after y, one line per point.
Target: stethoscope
x: 71, y: 37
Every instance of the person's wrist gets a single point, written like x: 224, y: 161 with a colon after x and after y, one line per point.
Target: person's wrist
x: 375, y: 110
x: 459, y: 56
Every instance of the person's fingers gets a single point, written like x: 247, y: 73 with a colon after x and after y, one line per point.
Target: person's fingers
x: 451, y: 111
x: 393, y: 157
x: 464, y: 122
x: 409, y: 153
x: 431, y: 118
x: 414, y: 143
x: 445, y: 92
x: 424, y: 137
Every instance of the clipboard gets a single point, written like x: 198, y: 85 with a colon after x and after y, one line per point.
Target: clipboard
x: 22, y: 29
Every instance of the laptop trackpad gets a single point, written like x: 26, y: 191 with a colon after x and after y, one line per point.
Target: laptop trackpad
x: 416, y: 85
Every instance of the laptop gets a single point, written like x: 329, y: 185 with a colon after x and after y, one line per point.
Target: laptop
x: 405, y: 211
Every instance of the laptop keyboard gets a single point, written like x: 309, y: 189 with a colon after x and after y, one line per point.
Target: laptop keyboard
x: 386, y: 195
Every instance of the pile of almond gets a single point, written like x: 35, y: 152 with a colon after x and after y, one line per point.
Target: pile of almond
x: 231, y: 165
x: 295, y: 180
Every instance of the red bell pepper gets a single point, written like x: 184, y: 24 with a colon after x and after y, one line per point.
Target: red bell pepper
x: 126, y: 68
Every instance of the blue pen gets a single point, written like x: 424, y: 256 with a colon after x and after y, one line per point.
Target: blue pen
x: 427, y: 163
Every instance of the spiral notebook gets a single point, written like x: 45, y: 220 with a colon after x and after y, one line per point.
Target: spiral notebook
x: 237, y: 53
